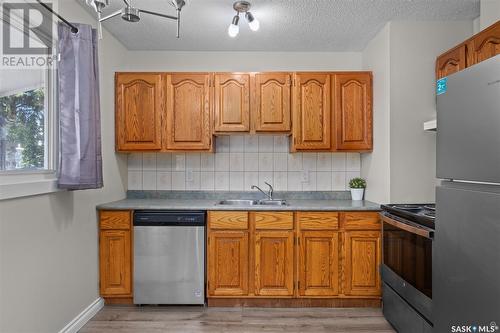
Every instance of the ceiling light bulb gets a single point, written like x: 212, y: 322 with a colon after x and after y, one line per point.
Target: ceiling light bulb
x: 234, y: 29
x: 253, y: 23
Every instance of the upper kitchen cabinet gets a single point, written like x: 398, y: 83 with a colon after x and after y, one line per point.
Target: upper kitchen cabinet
x: 188, y: 112
x: 312, y: 112
x: 272, y: 102
x: 232, y: 102
x: 353, y: 111
x: 451, y: 62
x: 482, y: 46
x: 139, y: 107
x: 485, y: 44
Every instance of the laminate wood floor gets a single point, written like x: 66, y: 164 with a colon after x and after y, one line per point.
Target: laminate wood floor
x: 152, y: 319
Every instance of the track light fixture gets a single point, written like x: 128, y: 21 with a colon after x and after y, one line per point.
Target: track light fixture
x: 242, y: 7
x: 130, y: 13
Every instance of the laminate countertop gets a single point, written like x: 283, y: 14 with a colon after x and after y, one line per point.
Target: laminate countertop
x: 211, y: 204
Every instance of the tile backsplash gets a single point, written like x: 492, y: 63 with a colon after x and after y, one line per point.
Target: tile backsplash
x: 241, y: 161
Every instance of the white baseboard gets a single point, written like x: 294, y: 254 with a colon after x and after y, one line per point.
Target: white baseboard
x: 79, y: 321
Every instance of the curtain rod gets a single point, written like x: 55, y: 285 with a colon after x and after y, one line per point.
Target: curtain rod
x: 73, y: 28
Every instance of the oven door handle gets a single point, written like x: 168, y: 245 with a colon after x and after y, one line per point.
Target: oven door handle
x: 424, y: 232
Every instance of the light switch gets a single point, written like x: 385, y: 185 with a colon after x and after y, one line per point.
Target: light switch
x: 189, y: 176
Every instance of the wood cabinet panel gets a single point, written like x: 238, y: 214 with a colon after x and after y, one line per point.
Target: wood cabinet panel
x: 232, y: 102
x: 188, y: 112
x: 353, y: 111
x: 451, y: 62
x: 318, y: 220
x: 485, y: 44
x: 319, y: 263
x: 272, y: 102
x: 312, y: 112
x: 362, y: 261
x: 139, y: 108
x: 228, y: 263
x: 274, y: 263
x: 117, y: 220
x: 228, y: 220
x: 361, y: 220
x: 273, y: 220
x: 115, y: 263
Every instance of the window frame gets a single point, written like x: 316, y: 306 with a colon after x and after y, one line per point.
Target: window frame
x: 22, y: 183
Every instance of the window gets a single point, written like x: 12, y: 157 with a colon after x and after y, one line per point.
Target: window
x: 22, y: 130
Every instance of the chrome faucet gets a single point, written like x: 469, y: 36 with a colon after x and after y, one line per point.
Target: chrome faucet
x: 269, y: 194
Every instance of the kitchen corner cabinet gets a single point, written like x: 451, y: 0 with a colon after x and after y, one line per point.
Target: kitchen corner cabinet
x: 188, y: 112
x: 482, y: 46
x: 139, y: 108
x: 232, y: 102
x: 115, y: 254
x: 312, y: 112
x: 362, y: 254
x: 272, y: 102
x: 353, y: 111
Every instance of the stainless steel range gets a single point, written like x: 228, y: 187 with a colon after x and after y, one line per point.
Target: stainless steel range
x: 408, y: 231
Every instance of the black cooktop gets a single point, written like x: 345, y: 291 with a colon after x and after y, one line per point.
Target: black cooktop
x: 424, y: 214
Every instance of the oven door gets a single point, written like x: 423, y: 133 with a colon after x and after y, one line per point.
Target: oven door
x: 407, y: 262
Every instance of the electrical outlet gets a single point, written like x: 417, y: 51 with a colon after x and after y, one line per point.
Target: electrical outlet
x: 189, y: 175
x: 305, y: 176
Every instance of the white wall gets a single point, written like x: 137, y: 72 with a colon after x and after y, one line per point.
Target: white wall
x: 414, y: 47
x: 490, y: 13
x: 48, y: 243
x: 402, y: 166
x: 376, y: 165
x: 242, y: 61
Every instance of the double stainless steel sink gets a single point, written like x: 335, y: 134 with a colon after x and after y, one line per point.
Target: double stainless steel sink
x: 245, y: 202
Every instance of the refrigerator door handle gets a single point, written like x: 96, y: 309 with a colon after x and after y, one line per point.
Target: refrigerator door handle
x: 407, y: 226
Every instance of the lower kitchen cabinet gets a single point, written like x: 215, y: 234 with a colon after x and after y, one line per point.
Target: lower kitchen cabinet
x: 362, y: 261
x: 296, y: 257
x: 274, y: 263
x: 319, y: 263
x: 115, y: 254
x: 227, y: 263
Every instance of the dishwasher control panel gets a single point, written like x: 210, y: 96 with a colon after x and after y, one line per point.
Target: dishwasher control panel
x: 166, y: 218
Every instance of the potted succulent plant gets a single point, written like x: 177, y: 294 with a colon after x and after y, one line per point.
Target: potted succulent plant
x: 357, y: 186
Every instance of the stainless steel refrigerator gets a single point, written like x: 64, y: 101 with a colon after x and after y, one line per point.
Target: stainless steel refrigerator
x: 466, y: 253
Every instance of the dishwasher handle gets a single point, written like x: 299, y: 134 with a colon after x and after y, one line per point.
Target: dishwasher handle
x: 169, y: 218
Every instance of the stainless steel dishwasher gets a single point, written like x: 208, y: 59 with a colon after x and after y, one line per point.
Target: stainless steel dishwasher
x: 169, y: 257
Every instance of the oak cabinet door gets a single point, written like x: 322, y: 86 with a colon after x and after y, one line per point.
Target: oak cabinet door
x: 274, y: 263
x: 272, y: 102
x: 319, y: 263
x: 232, y: 102
x: 139, y: 107
x: 228, y: 263
x: 485, y: 45
x: 188, y: 112
x: 312, y: 112
x: 353, y: 111
x: 451, y: 62
x: 115, y: 262
x: 362, y: 261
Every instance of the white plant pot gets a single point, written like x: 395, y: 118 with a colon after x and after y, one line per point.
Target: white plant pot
x: 357, y: 193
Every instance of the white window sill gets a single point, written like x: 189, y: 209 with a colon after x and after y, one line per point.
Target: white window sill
x: 23, y: 185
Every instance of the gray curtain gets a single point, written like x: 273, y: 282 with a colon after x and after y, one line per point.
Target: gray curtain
x: 80, y: 160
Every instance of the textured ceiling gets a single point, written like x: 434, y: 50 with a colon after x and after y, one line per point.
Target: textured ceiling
x: 286, y: 25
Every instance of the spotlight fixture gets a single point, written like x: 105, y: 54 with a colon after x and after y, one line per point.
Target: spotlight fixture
x: 242, y: 7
